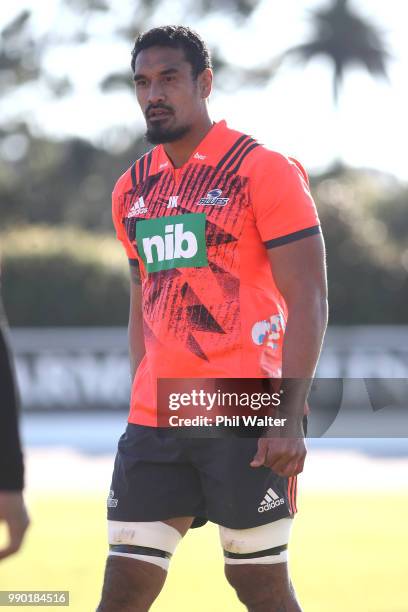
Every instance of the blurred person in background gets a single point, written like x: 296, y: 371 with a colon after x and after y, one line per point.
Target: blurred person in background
x: 12, y: 508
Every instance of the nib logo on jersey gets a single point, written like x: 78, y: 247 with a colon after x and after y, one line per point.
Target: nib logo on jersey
x: 214, y: 198
x: 138, y: 208
x: 172, y: 242
x: 270, y: 500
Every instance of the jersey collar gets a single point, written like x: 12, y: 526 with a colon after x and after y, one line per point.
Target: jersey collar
x: 208, y: 152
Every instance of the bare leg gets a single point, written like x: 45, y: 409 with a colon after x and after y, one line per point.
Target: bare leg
x: 263, y: 588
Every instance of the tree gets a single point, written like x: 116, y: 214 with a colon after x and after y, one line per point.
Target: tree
x: 70, y: 180
x: 23, y: 50
x: 345, y: 38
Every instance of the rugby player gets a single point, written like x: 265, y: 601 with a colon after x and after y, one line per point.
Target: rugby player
x: 12, y: 509
x: 227, y: 280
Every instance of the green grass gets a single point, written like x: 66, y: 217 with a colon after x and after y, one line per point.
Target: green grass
x: 348, y: 553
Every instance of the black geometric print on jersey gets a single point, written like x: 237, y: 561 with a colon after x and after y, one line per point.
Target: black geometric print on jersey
x: 188, y: 295
x: 227, y: 281
x: 193, y: 179
x: 215, y: 235
x: 144, y: 166
x: 140, y: 169
x: 195, y: 348
x: 244, y: 154
x: 231, y: 151
x: 144, y: 189
x: 130, y: 227
x: 133, y: 175
x: 162, y: 201
x: 194, y: 185
x: 196, y: 181
x: 201, y: 319
x: 169, y: 298
x: 237, y: 155
x: 140, y: 190
x: 158, y: 197
x: 158, y: 290
x: 227, y: 314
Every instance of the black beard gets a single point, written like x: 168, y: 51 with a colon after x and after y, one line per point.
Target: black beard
x: 157, y: 135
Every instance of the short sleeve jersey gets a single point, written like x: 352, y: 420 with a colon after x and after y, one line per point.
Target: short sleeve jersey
x: 200, y: 235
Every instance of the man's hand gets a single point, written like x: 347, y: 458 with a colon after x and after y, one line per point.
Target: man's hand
x: 285, y: 456
x: 13, y: 512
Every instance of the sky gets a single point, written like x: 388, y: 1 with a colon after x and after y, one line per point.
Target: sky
x: 294, y: 113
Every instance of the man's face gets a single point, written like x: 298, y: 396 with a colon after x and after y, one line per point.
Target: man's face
x: 170, y: 99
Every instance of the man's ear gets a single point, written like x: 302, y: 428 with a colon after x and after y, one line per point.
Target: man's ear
x: 205, y: 80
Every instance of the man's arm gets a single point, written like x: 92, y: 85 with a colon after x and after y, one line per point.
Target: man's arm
x: 12, y: 508
x: 135, y: 329
x: 300, y: 275
x: 299, y: 271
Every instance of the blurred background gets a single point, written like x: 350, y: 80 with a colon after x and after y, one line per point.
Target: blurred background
x: 321, y: 80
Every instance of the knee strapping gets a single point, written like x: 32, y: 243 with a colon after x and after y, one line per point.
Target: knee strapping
x: 264, y: 544
x: 152, y: 542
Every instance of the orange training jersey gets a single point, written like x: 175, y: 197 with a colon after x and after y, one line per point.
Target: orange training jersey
x: 200, y: 234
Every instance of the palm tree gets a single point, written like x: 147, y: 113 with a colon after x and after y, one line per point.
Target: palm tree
x: 346, y: 39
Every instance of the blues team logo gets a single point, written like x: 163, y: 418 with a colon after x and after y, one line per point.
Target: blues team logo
x: 213, y: 198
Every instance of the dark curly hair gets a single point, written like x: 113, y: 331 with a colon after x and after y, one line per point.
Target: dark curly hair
x: 178, y: 37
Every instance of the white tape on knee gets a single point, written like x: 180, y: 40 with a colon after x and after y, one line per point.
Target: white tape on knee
x: 154, y: 535
x: 242, y: 545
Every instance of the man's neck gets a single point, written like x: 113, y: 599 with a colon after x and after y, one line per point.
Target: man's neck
x: 180, y: 151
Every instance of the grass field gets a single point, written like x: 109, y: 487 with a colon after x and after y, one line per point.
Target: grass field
x: 348, y: 553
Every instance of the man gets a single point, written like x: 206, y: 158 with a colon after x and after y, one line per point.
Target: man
x: 12, y: 508
x: 225, y: 252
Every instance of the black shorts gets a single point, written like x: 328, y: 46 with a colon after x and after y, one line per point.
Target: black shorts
x: 158, y: 476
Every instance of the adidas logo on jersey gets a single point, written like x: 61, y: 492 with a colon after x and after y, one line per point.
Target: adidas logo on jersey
x: 198, y: 156
x: 138, y: 208
x: 172, y: 202
x: 270, y: 500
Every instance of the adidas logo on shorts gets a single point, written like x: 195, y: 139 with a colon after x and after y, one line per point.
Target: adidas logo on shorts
x: 270, y: 500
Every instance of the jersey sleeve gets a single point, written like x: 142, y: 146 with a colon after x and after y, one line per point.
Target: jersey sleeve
x: 117, y: 216
x: 282, y: 203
